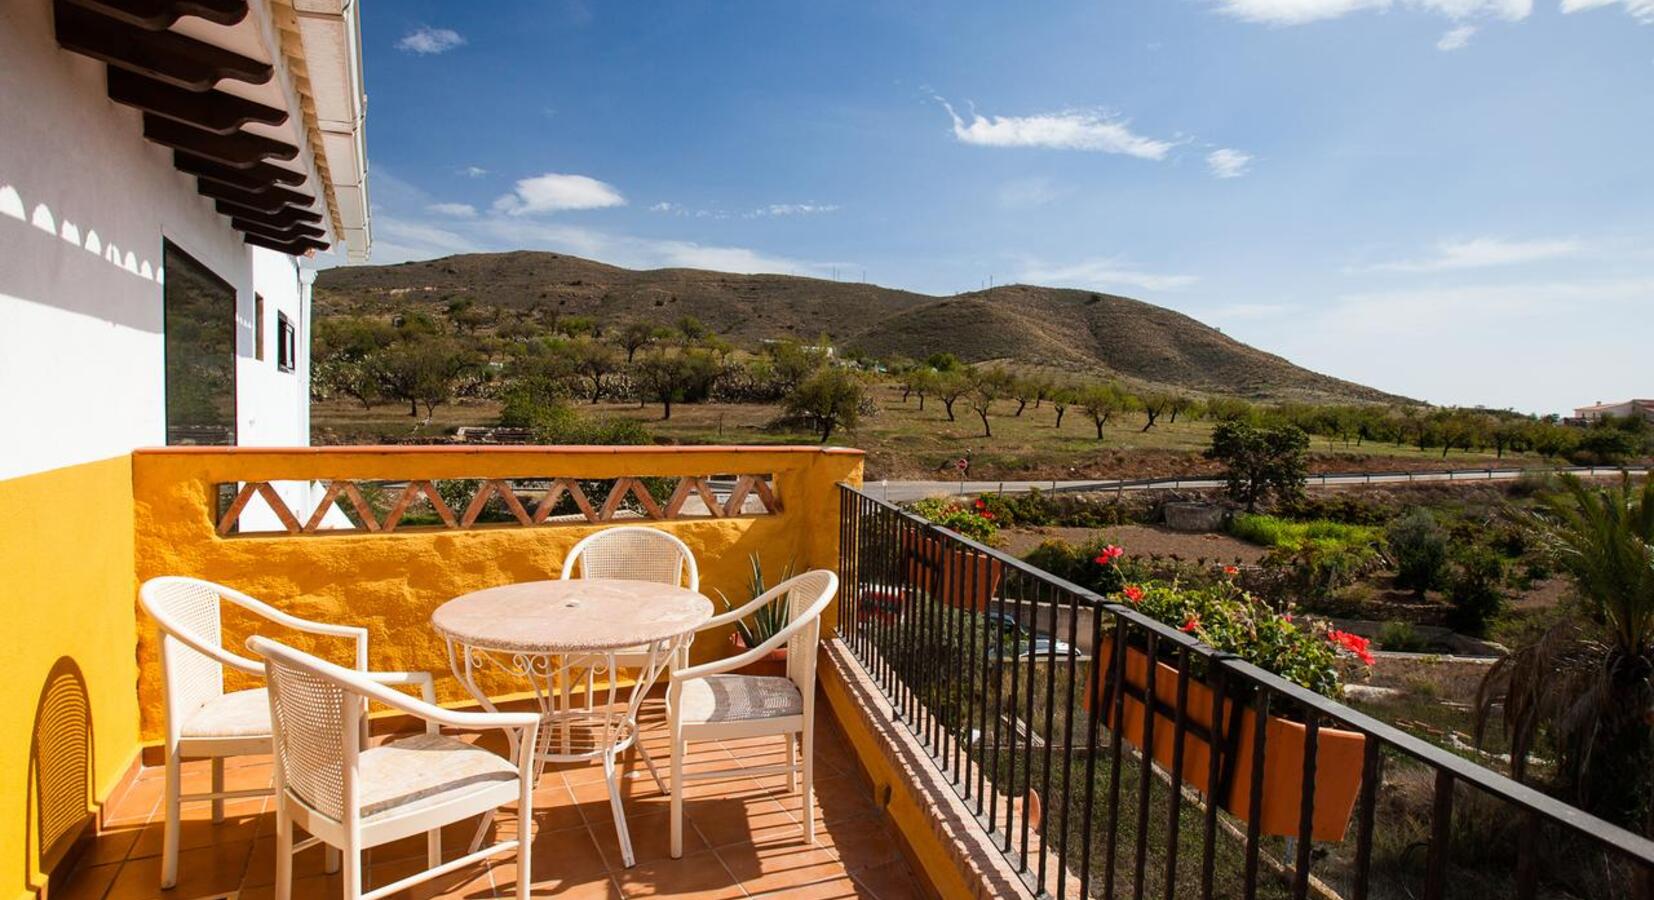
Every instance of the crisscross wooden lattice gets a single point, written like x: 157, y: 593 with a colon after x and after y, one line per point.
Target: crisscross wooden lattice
x: 628, y: 498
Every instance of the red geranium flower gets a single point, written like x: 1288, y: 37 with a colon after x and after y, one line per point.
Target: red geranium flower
x: 987, y: 515
x: 1231, y: 570
x: 1357, y: 645
x: 1191, y: 625
x: 1133, y: 593
x: 981, y: 504
x: 1109, y: 555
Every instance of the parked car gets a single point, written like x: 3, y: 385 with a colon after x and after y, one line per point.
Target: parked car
x: 1027, y: 644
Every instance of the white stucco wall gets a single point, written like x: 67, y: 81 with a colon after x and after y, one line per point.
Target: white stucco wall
x: 85, y: 205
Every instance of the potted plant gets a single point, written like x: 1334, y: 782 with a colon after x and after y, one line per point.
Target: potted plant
x: 1230, y: 620
x: 946, y: 571
x: 762, y: 624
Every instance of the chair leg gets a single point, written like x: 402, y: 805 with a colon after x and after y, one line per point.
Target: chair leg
x: 433, y: 848
x: 284, y: 853
x: 353, y: 873
x: 169, y: 839
x: 676, y: 814
x: 618, y: 810
x: 792, y: 762
x: 809, y: 806
x: 332, y: 859
x: 218, y: 788
x: 525, y: 841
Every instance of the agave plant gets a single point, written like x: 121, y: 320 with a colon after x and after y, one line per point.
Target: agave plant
x: 1588, y: 684
x: 766, y: 621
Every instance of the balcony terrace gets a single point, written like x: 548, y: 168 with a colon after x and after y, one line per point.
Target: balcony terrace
x: 950, y: 764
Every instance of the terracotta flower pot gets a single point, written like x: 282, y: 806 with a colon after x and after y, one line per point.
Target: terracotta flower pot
x: 1338, y: 756
x: 946, y: 573
x: 772, y: 663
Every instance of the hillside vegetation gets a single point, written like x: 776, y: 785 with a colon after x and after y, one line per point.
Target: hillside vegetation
x: 1077, y: 332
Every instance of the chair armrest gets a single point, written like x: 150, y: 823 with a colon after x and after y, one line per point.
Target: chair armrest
x: 747, y: 609
x: 222, y: 656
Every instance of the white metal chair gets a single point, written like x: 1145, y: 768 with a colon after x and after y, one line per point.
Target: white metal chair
x: 353, y: 797
x: 205, y: 722
x: 634, y: 553
x: 705, y: 703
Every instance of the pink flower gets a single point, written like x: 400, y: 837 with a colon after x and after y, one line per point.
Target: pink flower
x: 1109, y: 555
x: 1133, y: 593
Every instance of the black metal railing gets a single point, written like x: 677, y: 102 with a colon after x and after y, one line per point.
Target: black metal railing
x: 1035, y: 697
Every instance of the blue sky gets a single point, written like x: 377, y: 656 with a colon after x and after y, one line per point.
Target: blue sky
x: 1450, y: 199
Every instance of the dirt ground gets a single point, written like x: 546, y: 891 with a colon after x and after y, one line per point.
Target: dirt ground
x: 1140, y: 540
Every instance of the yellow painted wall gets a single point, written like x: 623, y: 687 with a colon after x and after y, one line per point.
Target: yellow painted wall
x: 390, y: 583
x: 67, y: 659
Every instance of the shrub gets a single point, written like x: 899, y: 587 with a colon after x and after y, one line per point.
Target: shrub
x: 1419, y: 547
x: 973, y: 520
x: 1474, y: 587
x: 1094, y: 565
x: 1400, y: 637
x: 1261, y: 461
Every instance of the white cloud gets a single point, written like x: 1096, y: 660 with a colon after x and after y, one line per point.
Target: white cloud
x: 1301, y: 12
x: 427, y: 40
x: 666, y: 206
x: 473, y: 171
x: 1483, y: 252
x: 1105, y: 273
x: 1069, y: 130
x: 1456, y: 39
x: 456, y: 210
x: 1641, y: 10
x: 554, y: 192
x: 1226, y: 162
x: 796, y: 209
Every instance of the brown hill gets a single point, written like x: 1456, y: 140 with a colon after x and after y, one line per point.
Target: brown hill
x: 1070, y: 330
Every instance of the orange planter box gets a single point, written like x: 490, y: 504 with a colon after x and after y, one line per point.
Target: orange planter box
x: 947, y: 573
x: 1338, y: 758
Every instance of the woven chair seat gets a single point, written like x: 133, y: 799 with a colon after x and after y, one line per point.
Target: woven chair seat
x: 238, y: 714
x: 738, y: 698
x: 427, y: 770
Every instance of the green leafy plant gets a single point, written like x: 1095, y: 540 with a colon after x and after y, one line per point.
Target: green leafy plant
x: 973, y: 520
x: 1474, y: 587
x: 1587, y: 684
x: 766, y: 621
x: 1400, y: 637
x: 1419, y: 546
x: 1261, y: 462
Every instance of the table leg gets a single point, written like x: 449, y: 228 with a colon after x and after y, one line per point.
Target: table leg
x: 611, y: 775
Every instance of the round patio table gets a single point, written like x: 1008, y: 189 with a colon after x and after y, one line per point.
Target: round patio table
x: 555, y: 633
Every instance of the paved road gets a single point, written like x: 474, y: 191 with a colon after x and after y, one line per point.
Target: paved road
x: 906, y: 491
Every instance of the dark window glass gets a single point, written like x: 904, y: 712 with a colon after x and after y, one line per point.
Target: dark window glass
x: 286, y: 343
x: 258, y: 327
x: 200, y: 352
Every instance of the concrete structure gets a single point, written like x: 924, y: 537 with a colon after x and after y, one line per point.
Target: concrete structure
x: 1626, y: 410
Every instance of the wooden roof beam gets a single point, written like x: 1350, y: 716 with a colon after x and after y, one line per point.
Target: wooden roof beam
x: 159, y: 15
x: 238, y: 151
x: 180, y: 61
x: 252, y: 180
x: 211, y: 111
x: 298, y: 247
x: 276, y: 232
x: 286, y: 216
x: 270, y: 200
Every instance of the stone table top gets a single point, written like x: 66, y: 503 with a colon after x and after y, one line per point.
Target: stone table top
x: 574, y: 615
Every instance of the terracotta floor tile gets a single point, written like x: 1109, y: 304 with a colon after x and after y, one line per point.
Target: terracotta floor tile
x: 201, y: 872
x: 772, y: 867
x: 198, y: 832
x: 723, y: 821
x: 699, y: 877
x: 838, y: 797
x: 651, y: 839
x: 86, y: 882
x: 841, y: 888
x: 859, y: 842
x: 261, y: 865
x: 891, y: 881
x: 113, y: 844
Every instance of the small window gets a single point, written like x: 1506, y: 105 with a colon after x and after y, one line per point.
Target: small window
x: 258, y: 327
x: 286, y: 344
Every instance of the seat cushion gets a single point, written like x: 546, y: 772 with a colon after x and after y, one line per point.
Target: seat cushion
x: 426, y: 770
x: 738, y: 698
x: 238, y: 714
